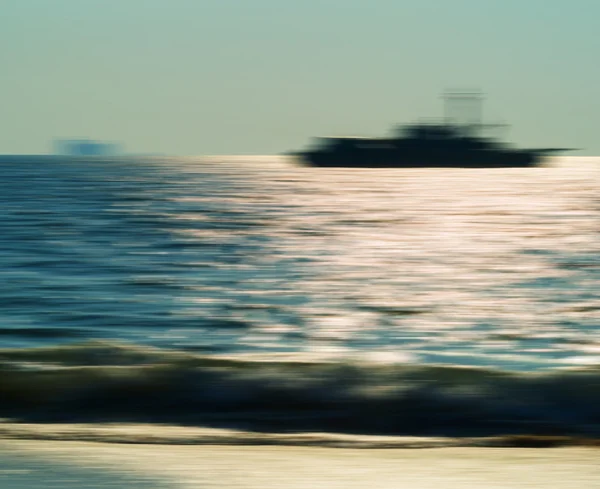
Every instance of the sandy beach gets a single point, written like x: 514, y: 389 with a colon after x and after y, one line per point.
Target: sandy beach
x: 29, y: 464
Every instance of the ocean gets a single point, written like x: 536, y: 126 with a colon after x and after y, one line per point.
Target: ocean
x: 253, y: 293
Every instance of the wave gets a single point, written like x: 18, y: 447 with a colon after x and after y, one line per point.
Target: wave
x: 152, y: 434
x: 107, y: 383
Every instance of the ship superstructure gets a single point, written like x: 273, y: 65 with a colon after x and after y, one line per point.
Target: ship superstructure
x: 458, y: 140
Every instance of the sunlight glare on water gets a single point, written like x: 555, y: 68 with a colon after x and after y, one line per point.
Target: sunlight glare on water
x: 246, y: 255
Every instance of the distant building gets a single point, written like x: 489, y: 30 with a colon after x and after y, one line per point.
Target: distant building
x: 85, y: 147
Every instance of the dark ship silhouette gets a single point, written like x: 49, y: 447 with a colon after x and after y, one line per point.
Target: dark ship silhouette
x: 455, y: 142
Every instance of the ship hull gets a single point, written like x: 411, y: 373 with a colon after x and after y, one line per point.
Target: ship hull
x: 483, y: 159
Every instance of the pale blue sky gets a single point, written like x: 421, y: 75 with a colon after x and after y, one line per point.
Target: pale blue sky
x: 262, y: 76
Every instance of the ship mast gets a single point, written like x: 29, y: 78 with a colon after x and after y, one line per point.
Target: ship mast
x: 464, y: 108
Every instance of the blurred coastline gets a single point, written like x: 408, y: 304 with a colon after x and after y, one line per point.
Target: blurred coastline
x: 210, y: 467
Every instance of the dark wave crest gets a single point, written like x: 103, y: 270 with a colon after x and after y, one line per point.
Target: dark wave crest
x: 101, y: 382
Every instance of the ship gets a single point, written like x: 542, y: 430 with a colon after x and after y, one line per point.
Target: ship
x: 459, y: 140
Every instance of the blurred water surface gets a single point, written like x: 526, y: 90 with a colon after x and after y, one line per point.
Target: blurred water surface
x: 496, y: 268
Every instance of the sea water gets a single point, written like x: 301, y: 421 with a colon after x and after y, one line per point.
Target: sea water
x: 241, y: 286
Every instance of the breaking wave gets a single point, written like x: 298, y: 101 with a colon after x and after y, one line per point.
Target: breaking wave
x: 106, y: 382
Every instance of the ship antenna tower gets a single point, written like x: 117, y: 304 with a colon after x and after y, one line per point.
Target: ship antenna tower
x: 464, y: 109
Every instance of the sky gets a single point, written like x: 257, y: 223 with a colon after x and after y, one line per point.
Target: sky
x: 200, y: 77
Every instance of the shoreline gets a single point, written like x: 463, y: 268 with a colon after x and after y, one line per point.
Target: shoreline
x: 162, y: 434
x: 102, y: 465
